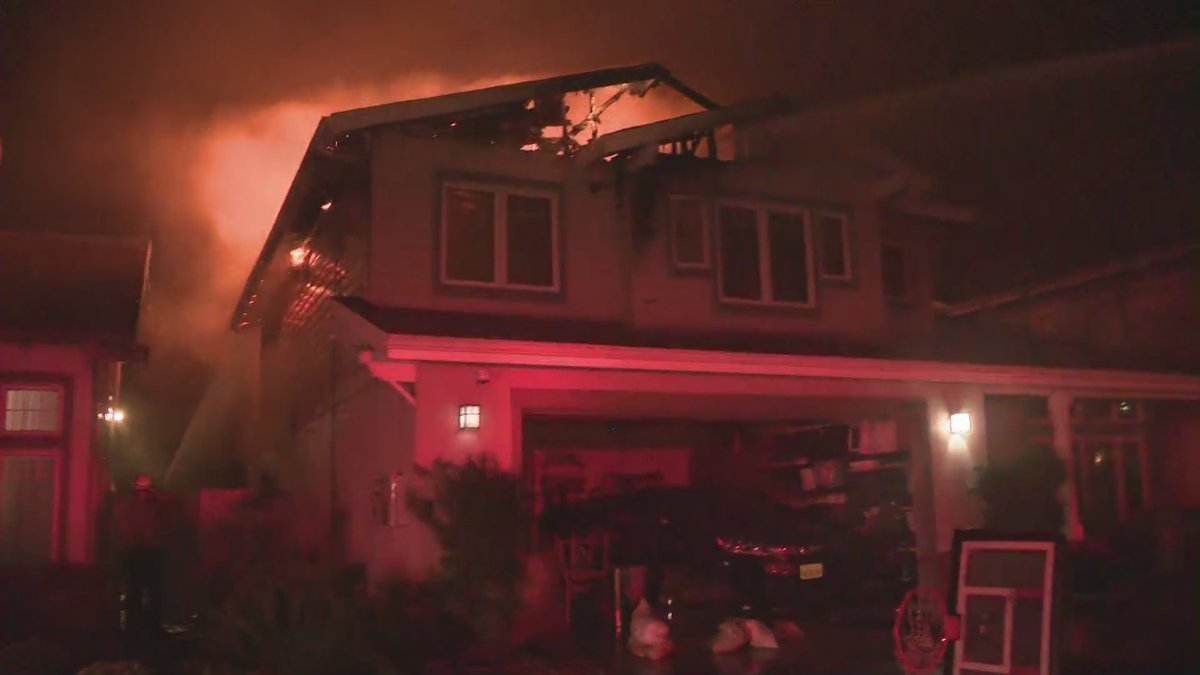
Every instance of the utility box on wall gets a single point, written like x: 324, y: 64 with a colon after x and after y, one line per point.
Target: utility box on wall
x: 389, y: 497
x: 1008, y: 592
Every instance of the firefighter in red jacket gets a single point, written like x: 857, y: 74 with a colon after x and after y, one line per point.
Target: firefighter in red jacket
x: 141, y: 525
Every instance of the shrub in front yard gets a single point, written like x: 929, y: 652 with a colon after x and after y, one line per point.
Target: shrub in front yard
x: 300, y: 619
x: 476, y: 512
x: 407, y: 624
x: 1020, y: 494
x: 57, y: 601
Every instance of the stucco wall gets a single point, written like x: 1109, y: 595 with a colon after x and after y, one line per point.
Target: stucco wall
x: 347, y: 456
x: 374, y: 441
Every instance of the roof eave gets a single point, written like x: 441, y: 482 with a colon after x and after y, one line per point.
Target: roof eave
x: 295, y: 205
x: 1065, y: 282
x: 359, y: 119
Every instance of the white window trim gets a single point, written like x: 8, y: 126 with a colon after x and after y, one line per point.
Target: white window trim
x: 500, y: 233
x: 705, y: 237
x: 20, y: 386
x: 764, y: 254
x: 847, y: 259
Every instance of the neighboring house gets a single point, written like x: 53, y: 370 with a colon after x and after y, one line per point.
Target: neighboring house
x: 1127, y: 459
x: 672, y: 302
x: 1138, y: 313
x: 68, y: 322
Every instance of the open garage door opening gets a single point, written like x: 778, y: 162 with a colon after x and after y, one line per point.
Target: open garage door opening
x: 777, y: 517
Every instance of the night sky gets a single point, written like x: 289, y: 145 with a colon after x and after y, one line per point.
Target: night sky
x: 116, y: 116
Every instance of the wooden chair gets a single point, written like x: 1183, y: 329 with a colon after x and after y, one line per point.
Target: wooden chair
x: 583, y: 560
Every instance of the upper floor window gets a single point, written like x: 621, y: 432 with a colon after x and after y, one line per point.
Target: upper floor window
x: 499, y: 237
x: 32, y: 409
x: 833, y: 236
x: 689, y: 234
x: 765, y: 256
x: 895, y: 272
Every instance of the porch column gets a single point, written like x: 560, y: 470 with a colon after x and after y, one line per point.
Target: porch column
x: 953, y: 459
x: 1059, y: 405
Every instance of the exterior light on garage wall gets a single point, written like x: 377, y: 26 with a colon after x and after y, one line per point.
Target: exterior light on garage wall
x: 960, y: 423
x: 468, y: 417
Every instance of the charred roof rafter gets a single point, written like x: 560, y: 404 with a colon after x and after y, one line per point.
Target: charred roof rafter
x: 339, y: 141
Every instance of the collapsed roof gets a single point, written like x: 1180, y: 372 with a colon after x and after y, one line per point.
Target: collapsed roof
x: 560, y: 115
x: 530, y: 115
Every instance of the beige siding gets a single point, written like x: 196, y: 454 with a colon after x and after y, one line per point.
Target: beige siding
x: 405, y: 189
x: 606, y: 274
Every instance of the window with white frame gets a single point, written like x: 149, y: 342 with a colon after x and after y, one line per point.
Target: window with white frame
x: 1111, y: 479
x: 833, y: 237
x: 764, y: 255
x: 32, y: 409
x: 689, y: 233
x: 503, y: 237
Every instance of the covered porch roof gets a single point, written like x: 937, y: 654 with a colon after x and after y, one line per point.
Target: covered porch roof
x: 395, y: 339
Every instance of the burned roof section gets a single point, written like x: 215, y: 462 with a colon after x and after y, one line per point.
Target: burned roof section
x: 559, y: 115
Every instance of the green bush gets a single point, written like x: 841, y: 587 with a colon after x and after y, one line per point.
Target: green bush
x: 476, y: 512
x: 60, y: 601
x: 1020, y: 494
x: 406, y: 623
x: 299, y: 619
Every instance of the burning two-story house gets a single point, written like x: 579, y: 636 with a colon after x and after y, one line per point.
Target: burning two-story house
x: 520, y: 271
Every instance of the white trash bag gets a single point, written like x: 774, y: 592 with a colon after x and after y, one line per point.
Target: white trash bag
x: 649, y: 636
x: 731, y: 636
x: 760, y: 636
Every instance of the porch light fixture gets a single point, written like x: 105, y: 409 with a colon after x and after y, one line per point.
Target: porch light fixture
x: 298, y: 255
x: 960, y: 423
x: 468, y: 417
x: 113, y: 415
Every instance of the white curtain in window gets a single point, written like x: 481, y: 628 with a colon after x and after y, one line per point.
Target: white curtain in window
x: 31, y: 410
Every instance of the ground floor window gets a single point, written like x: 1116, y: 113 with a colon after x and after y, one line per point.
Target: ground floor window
x: 28, y: 513
x: 1111, y: 479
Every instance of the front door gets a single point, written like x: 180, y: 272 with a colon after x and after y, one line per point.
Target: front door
x: 27, y: 508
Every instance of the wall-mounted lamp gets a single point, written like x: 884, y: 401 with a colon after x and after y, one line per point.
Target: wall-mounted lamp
x: 468, y: 417
x: 112, y: 415
x: 327, y: 204
x: 960, y: 423
x: 298, y: 256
